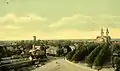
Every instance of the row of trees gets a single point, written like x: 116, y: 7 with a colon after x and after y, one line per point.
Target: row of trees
x: 80, y: 53
x: 61, y: 50
x: 93, y: 54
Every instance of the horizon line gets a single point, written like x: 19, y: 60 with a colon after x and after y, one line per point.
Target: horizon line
x: 52, y: 39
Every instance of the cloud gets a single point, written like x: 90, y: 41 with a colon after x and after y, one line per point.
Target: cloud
x: 87, y: 22
x: 13, y: 21
x: 11, y: 27
x: 14, y: 18
x: 71, y: 27
x: 67, y: 20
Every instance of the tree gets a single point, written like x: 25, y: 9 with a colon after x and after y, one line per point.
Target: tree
x: 59, y: 52
x: 117, y: 62
x: 116, y: 48
x: 91, y: 57
x: 1, y: 52
x: 91, y: 47
x: 103, y: 56
x: 68, y: 48
x: 80, y: 54
x: 70, y: 54
x: 37, y: 42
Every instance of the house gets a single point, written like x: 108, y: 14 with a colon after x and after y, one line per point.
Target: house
x: 72, y: 47
x: 36, y: 50
x: 65, y: 50
x: 10, y: 48
x: 52, y: 50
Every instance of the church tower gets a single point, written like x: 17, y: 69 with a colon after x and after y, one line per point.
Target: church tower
x: 102, y: 33
x: 107, y: 32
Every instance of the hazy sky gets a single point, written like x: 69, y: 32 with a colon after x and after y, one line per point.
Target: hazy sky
x: 58, y: 19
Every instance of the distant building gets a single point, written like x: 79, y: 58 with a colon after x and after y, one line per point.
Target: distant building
x: 72, y: 47
x: 37, y: 51
x: 10, y: 48
x: 52, y: 50
x: 65, y: 50
x: 103, y: 38
x: 34, y: 38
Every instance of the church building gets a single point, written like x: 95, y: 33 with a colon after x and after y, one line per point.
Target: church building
x: 103, y: 38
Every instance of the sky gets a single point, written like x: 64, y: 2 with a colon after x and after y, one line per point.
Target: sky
x: 58, y: 19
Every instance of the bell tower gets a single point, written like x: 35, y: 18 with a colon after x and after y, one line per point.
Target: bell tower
x: 107, y: 32
x: 102, y: 33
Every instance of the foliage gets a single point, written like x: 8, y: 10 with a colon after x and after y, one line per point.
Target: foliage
x: 8, y: 53
x: 91, y: 47
x: 68, y: 48
x: 79, y: 54
x: 70, y: 54
x: 5, y: 53
x: 91, y: 57
x: 102, y: 56
x: 59, y: 52
x: 117, y: 61
x: 116, y: 48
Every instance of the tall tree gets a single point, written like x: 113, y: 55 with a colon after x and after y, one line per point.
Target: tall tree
x: 103, y: 55
x: 91, y: 57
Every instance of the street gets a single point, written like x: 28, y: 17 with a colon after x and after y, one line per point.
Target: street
x: 61, y: 65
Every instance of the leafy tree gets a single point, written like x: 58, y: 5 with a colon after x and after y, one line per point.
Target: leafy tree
x: 102, y: 56
x: 70, y: 54
x: 91, y: 47
x: 117, y: 62
x: 68, y: 48
x: 79, y: 54
x: 37, y: 42
x: 59, y: 52
x: 116, y: 48
x: 1, y: 52
x: 91, y: 57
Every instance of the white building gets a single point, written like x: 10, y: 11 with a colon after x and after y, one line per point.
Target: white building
x: 72, y: 47
x: 52, y: 50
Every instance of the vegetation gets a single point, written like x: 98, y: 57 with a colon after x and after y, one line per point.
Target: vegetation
x: 91, y: 47
x: 117, y: 61
x: 68, y: 48
x: 70, y: 55
x: 103, y: 56
x: 79, y: 54
x: 92, y: 53
x: 116, y: 48
x: 91, y: 57
x: 59, y: 52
